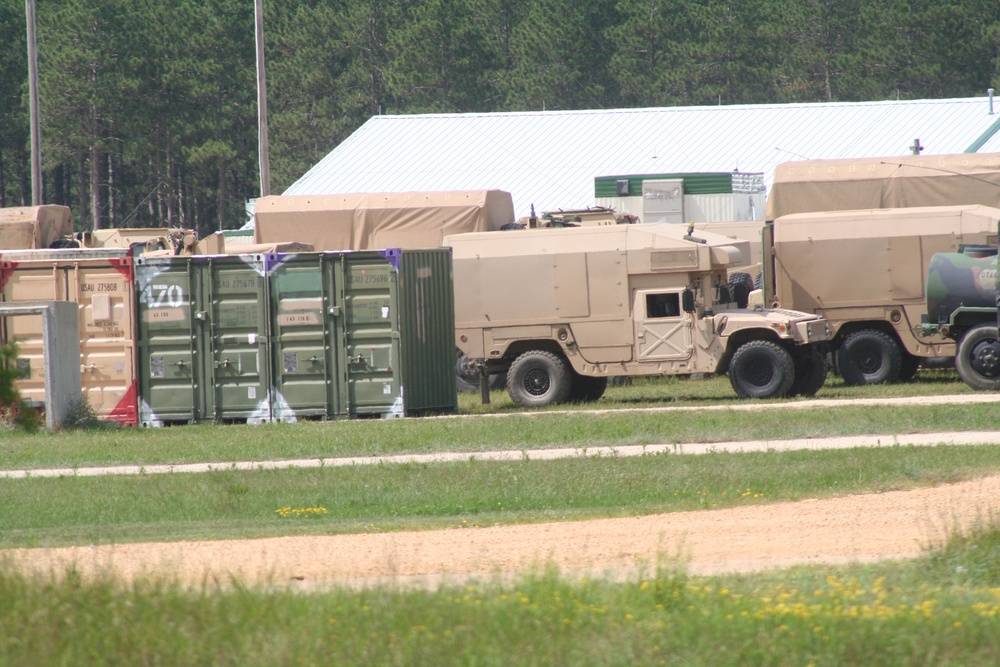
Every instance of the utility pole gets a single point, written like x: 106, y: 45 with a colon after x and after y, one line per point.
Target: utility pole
x: 265, y: 167
x: 36, y: 153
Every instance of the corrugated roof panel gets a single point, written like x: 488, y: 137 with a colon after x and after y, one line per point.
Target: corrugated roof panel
x: 550, y: 159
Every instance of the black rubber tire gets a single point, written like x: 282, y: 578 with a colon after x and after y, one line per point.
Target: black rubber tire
x: 468, y: 380
x: 869, y: 357
x: 978, y: 358
x: 740, y: 286
x: 758, y: 282
x: 538, y: 378
x: 810, y: 371
x: 587, y: 389
x: 465, y: 378
x: 908, y: 367
x: 761, y: 369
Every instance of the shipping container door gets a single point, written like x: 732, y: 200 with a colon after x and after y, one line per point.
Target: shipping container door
x: 101, y: 283
x: 304, y: 354
x: 371, y: 336
x: 237, y: 318
x: 171, y: 379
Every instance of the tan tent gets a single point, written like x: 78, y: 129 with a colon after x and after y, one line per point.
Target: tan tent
x: 889, y: 182
x: 379, y: 220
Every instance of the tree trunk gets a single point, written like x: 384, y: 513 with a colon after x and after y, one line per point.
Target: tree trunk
x: 82, y: 184
x: 111, y: 191
x: 221, y: 212
x: 95, y: 185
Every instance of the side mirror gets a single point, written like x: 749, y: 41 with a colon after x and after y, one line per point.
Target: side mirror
x: 687, y: 301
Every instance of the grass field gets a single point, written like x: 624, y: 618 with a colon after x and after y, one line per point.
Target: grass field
x: 941, y: 609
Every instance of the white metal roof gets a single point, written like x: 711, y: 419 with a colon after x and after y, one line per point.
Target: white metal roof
x: 550, y: 158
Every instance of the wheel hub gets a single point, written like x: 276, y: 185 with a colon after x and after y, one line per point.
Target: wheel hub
x: 869, y: 359
x: 986, y: 358
x: 760, y: 373
x: 536, y: 382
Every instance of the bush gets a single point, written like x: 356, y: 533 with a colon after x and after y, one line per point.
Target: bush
x: 13, y: 410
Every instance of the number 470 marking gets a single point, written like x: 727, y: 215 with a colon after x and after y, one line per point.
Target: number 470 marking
x: 161, y: 296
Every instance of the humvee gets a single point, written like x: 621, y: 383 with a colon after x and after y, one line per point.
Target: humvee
x: 559, y: 311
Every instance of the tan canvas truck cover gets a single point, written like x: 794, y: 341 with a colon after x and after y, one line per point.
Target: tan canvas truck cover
x: 28, y: 227
x: 872, y: 265
x: 365, y: 221
x: 887, y: 182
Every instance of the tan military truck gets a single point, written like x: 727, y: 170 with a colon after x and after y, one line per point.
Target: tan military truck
x: 865, y: 272
x: 559, y: 311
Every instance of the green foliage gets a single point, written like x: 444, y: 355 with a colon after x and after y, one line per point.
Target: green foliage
x: 149, y: 107
x: 13, y: 411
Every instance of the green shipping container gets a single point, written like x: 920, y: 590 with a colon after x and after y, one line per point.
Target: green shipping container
x: 203, y: 327
x: 337, y: 335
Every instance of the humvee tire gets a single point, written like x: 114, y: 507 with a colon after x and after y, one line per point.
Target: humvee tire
x: 586, y: 388
x: 740, y: 286
x: 869, y: 357
x: 909, y: 367
x: 538, y: 378
x: 978, y: 358
x: 761, y: 369
x: 467, y: 377
x: 810, y: 372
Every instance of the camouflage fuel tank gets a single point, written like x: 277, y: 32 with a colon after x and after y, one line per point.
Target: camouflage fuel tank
x: 961, y: 279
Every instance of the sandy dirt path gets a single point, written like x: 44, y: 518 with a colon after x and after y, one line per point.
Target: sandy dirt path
x: 859, y: 528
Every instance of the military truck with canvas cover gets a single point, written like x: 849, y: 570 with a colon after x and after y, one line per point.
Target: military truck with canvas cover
x: 962, y: 307
x: 559, y: 311
x: 808, y: 186
x: 865, y: 272
x: 370, y: 221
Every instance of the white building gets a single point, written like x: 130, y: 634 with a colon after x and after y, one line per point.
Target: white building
x: 551, y: 159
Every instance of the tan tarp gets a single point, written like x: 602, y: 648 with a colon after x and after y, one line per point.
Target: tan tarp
x: 48, y: 224
x: 889, y: 182
x: 379, y: 220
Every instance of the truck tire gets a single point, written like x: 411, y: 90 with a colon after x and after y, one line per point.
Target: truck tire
x: 810, y: 372
x: 909, y: 366
x: 538, y: 378
x: 740, y: 286
x: 586, y: 388
x: 978, y: 358
x: 467, y: 377
x: 869, y: 357
x: 761, y: 369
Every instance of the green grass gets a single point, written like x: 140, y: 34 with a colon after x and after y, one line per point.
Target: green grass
x: 614, y: 425
x: 221, y: 504
x: 941, y: 609
x: 908, y: 613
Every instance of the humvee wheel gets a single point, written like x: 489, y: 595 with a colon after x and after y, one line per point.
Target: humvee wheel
x: 810, y: 372
x: 586, y: 389
x: 761, y: 369
x: 869, y: 357
x: 538, y: 378
x: 908, y: 369
x: 978, y: 358
x: 467, y: 375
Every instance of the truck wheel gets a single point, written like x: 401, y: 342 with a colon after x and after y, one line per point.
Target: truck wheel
x: 978, y: 358
x: 740, y: 286
x: 586, y: 389
x: 909, y: 367
x: 869, y: 357
x: 538, y: 378
x: 810, y: 372
x: 761, y: 369
x: 467, y: 376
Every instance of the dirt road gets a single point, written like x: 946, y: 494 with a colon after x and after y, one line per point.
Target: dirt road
x: 859, y: 528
